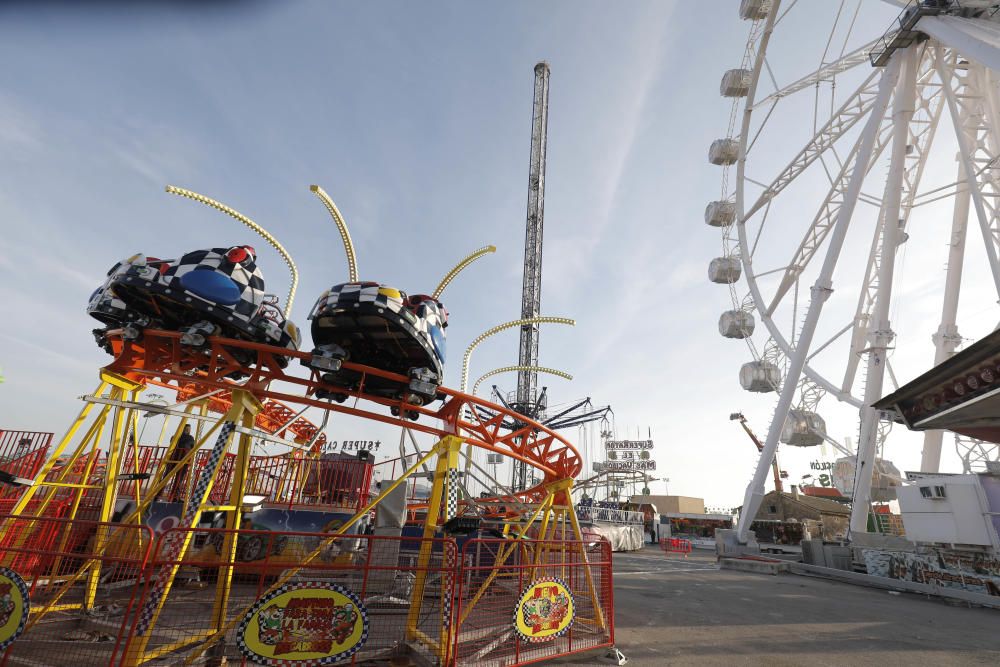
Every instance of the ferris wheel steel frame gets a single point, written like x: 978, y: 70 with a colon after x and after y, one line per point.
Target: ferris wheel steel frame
x: 921, y: 77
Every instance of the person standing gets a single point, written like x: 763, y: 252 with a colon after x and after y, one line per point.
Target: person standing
x: 183, y: 447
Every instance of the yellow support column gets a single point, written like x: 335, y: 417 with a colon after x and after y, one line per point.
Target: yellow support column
x: 126, y: 390
x: 443, y: 492
x: 578, y: 535
x: 175, y: 548
x: 234, y: 515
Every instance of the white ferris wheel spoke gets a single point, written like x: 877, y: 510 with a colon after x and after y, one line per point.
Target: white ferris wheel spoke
x: 977, y: 147
x: 830, y: 340
x: 854, y: 109
x: 881, y: 335
x: 828, y: 213
x: 856, y: 57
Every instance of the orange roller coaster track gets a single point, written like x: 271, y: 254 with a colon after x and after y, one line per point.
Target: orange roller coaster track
x: 159, y: 358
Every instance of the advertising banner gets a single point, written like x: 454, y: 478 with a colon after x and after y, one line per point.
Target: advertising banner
x: 305, y: 624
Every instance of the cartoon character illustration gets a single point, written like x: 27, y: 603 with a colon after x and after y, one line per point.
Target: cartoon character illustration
x: 269, y: 622
x: 373, y: 324
x: 545, y: 612
x: 344, y: 618
x: 6, y: 603
x: 215, y: 291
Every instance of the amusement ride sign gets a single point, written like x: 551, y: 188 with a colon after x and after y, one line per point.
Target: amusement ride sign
x: 14, y: 606
x: 628, y: 444
x: 629, y: 455
x: 352, y: 445
x: 545, y: 611
x: 305, y: 624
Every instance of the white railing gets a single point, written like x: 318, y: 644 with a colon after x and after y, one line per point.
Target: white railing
x: 607, y: 515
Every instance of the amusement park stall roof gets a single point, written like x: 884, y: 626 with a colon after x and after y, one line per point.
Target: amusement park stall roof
x: 961, y: 394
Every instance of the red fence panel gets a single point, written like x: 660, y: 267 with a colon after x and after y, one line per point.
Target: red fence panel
x: 71, y: 603
x: 362, y: 598
x: 22, y: 454
x: 523, y: 601
x: 675, y: 545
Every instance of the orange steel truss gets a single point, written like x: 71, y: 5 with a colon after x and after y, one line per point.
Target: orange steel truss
x: 160, y: 359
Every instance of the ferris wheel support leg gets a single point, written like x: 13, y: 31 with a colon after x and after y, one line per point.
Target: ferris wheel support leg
x: 946, y: 339
x: 881, y: 335
x: 819, y: 294
x: 960, y: 114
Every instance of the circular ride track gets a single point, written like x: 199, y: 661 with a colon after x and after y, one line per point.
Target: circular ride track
x: 159, y: 358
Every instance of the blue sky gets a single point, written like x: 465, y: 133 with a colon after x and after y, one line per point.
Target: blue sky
x: 415, y: 117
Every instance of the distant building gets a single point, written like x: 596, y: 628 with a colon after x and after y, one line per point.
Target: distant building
x: 681, y: 516
x: 672, y: 504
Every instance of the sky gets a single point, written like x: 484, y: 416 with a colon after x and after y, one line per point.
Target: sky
x: 415, y: 117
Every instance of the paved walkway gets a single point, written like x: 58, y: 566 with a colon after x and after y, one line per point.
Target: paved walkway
x: 677, y: 611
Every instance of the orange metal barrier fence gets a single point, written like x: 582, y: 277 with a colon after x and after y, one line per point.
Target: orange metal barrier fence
x: 363, y: 597
x: 307, y: 599
x: 523, y: 601
x: 292, y: 479
x: 60, y: 605
x: 675, y: 545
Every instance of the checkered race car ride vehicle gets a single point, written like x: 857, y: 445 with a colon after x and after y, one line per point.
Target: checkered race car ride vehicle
x: 213, y: 292
x: 379, y: 326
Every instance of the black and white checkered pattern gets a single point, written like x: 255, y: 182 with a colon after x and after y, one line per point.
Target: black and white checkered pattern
x: 246, y: 275
x: 251, y: 317
x: 449, y: 586
x: 347, y: 294
x: 420, y: 321
x: 175, y: 540
x: 452, y: 505
x: 334, y: 658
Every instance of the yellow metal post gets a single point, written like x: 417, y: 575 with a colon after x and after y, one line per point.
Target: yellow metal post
x: 234, y: 517
x: 243, y: 402
x: 443, y: 492
x: 578, y: 534
x: 289, y: 573
x: 126, y: 389
x: 502, y: 556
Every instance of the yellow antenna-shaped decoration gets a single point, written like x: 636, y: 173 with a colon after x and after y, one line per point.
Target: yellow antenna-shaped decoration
x: 345, y: 236
x: 459, y: 267
x: 515, y: 369
x: 219, y: 206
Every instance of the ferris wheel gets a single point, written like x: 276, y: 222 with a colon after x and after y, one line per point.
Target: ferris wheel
x: 855, y: 162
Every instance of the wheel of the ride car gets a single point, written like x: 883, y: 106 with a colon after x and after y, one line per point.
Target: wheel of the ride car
x: 251, y: 549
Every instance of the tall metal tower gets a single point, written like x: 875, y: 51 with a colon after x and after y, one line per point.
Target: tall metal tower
x: 531, y: 289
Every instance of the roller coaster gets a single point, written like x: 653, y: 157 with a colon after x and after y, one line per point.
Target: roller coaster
x: 236, y: 391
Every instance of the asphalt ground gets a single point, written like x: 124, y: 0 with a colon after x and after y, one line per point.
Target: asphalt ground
x: 671, y: 610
